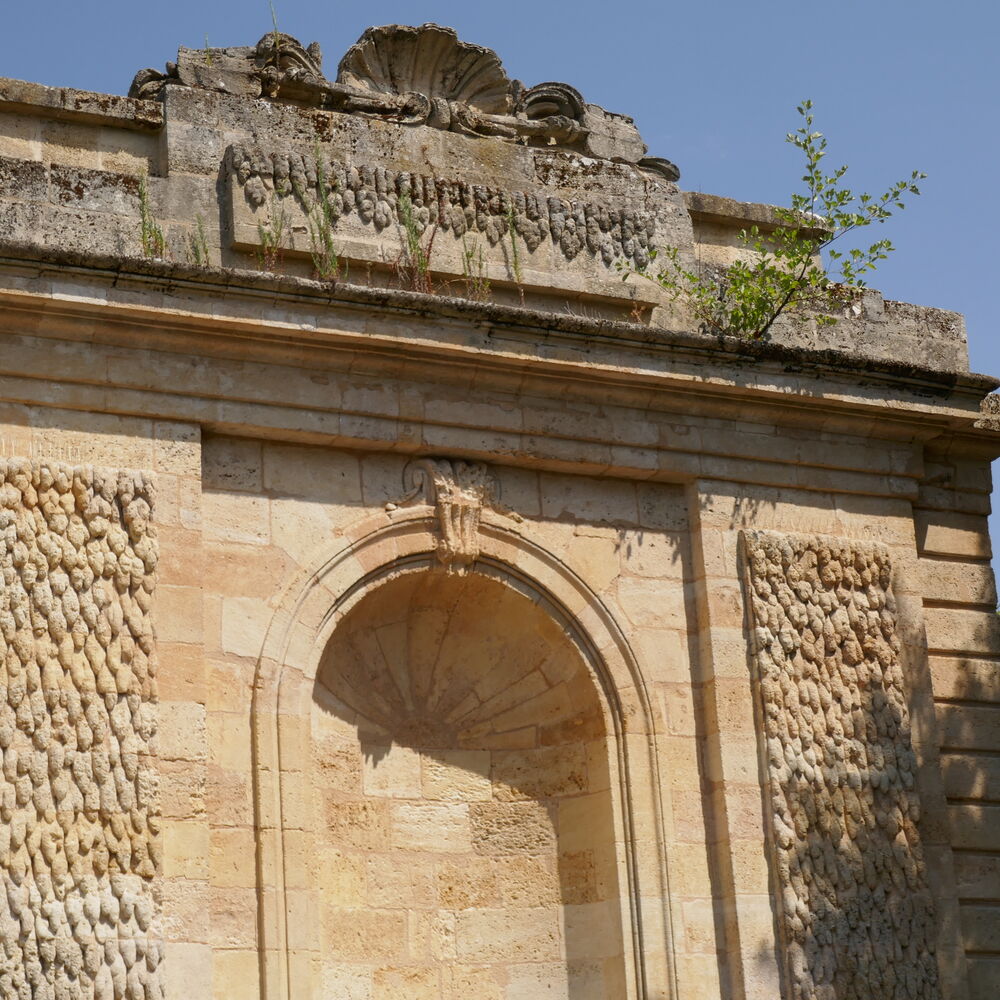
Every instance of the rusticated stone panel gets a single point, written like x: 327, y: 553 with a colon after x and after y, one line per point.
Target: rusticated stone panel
x: 79, y: 820
x: 856, y: 914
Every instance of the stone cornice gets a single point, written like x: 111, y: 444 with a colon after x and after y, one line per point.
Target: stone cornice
x: 172, y: 277
x: 83, y: 106
x: 231, y: 349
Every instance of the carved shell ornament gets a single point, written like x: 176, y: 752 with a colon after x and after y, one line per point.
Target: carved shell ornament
x: 421, y: 75
x: 456, y: 86
x: 429, y: 60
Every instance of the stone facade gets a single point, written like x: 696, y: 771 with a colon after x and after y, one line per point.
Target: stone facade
x: 475, y: 627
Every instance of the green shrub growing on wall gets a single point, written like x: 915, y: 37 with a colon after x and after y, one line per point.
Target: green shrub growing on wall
x: 795, y: 267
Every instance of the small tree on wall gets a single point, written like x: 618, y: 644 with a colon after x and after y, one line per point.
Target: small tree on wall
x: 793, y: 268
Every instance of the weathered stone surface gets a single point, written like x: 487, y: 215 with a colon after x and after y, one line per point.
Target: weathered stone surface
x: 857, y: 912
x: 67, y: 104
x: 79, y: 844
x: 30, y: 180
x: 382, y: 198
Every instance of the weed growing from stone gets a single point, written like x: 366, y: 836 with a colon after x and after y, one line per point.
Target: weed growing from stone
x: 322, y: 218
x: 197, y: 248
x: 154, y: 243
x: 639, y: 311
x: 477, y: 285
x: 784, y: 270
x: 274, y: 22
x: 413, y: 265
x: 271, y: 237
x: 515, y: 255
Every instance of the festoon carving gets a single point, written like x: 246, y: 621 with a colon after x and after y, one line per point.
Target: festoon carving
x: 415, y: 76
x: 856, y: 914
x: 79, y: 811
x: 458, y: 491
x: 373, y: 195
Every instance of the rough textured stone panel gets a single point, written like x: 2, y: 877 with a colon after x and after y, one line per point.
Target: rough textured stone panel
x: 79, y: 816
x: 856, y: 914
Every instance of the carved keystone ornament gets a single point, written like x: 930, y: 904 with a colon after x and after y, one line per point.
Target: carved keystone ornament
x: 458, y: 491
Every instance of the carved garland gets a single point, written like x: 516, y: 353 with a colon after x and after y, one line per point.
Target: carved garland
x: 373, y: 194
x: 856, y: 913
x: 79, y: 816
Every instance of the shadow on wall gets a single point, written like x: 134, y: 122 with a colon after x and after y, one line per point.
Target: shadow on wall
x: 463, y: 801
x: 967, y: 703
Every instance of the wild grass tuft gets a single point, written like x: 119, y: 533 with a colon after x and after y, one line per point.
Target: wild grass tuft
x: 413, y: 265
x: 154, y: 243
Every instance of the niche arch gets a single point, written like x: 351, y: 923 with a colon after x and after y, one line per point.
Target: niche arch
x: 379, y: 551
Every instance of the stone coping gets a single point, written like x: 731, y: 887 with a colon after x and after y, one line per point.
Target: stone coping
x: 738, y: 214
x: 85, y: 106
x: 731, y: 349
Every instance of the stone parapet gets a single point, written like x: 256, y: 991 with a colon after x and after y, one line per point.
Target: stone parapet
x: 513, y: 195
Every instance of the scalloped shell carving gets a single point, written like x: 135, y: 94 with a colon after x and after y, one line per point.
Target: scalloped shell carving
x: 434, y: 679
x: 429, y: 60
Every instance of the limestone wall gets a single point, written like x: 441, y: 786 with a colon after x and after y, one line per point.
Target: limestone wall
x: 459, y: 777
x: 962, y: 635
x: 492, y: 857
x: 464, y: 810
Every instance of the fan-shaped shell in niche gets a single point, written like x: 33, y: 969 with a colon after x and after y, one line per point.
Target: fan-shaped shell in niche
x: 434, y: 660
x: 428, y: 60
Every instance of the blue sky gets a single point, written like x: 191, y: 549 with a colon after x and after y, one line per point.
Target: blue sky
x: 713, y: 86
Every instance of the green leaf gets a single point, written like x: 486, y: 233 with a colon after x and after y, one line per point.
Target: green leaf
x: 779, y: 272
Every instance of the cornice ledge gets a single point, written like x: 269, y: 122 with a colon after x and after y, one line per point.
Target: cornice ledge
x: 70, y: 105
x: 168, y: 276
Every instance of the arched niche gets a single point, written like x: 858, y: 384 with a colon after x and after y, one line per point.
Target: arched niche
x: 460, y: 766
x: 418, y: 827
